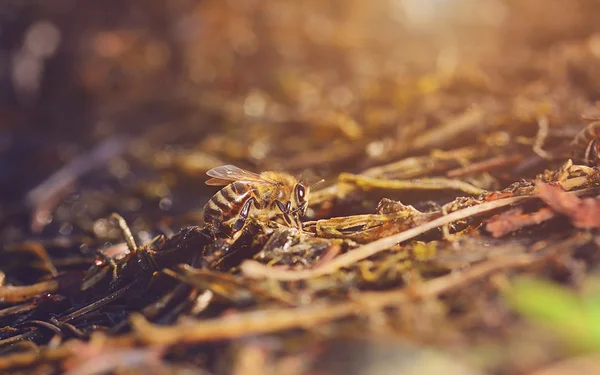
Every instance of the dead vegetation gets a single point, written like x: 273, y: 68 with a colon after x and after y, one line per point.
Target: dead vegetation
x: 453, y: 169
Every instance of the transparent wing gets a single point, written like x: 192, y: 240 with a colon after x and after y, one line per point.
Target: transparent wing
x: 226, y: 174
x: 218, y: 182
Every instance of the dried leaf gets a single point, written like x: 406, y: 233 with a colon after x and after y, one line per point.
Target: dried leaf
x: 583, y: 212
x: 513, y: 220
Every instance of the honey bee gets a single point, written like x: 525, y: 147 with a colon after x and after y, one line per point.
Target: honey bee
x: 585, y: 145
x: 267, y: 197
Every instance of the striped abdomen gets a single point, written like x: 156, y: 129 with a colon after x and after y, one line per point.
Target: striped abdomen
x: 585, y: 144
x: 227, y: 203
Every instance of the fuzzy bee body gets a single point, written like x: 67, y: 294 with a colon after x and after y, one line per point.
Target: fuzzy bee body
x: 585, y: 145
x: 270, y: 196
x: 223, y: 206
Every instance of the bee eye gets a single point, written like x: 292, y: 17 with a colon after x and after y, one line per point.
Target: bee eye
x: 300, y: 192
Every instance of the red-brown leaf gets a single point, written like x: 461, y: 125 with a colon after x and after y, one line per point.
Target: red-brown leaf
x: 515, y: 219
x: 583, y: 212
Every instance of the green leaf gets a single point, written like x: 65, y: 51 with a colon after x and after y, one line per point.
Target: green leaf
x: 560, y: 310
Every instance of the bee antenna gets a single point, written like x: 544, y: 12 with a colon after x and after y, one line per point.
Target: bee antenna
x: 317, y: 183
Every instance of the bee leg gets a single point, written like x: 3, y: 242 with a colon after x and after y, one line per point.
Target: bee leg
x: 244, y: 212
x: 239, y: 224
x: 286, y: 213
x: 282, y: 207
x: 297, y: 223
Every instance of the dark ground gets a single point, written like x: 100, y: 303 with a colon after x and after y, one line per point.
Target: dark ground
x: 123, y: 106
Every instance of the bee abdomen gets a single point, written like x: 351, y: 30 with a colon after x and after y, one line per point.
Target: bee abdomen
x: 239, y: 188
x: 211, y: 211
x: 226, y: 203
x: 585, y: 143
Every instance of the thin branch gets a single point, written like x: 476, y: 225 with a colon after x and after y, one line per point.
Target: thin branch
x: 257, y: 270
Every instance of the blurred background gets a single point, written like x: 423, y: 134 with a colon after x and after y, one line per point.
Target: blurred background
x: 124, y: 105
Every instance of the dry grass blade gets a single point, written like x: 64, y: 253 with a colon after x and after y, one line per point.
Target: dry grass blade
x: 237, y: 325
x: 430, y: 136
x: 454, y: 126
x: 416, y: 184
x: 257, y: 270
x: 13, y: 294
x: 266, y: 321
x: 495, y: 162
x: 445, y: 283
x: 31, y: 358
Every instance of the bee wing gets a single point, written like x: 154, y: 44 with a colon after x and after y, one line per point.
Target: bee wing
x: 218, y: 182
x: 225, y: 174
